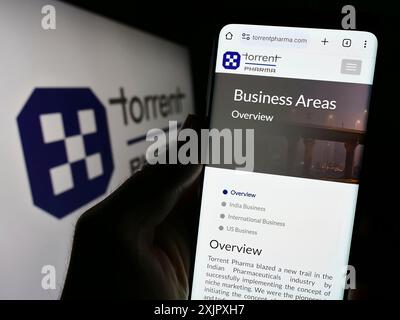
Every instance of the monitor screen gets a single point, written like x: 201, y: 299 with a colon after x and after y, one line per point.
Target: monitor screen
x: 78, y: 93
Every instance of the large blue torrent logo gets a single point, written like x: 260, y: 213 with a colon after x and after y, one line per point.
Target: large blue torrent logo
x: 67, y: 148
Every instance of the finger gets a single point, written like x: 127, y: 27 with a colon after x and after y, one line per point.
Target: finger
x: 152, y: 193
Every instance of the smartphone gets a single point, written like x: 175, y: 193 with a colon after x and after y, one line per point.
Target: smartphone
x: 282, y: 228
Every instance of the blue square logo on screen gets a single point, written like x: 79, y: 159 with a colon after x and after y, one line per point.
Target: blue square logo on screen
x: 231, y: 60
x: 67, y: 149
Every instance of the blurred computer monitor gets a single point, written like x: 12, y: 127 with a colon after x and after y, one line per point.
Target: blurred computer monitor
x: 76, y: 99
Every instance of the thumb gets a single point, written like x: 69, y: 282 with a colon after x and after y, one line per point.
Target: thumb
x: 152, y: 193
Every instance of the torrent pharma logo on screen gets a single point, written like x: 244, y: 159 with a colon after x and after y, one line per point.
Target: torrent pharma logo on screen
x: 66, y: 144
x: 231, y: 60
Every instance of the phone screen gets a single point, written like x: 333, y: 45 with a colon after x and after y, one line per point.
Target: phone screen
x: 281, y: 228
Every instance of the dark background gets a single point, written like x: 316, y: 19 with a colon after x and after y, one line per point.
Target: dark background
x: 196, y: 24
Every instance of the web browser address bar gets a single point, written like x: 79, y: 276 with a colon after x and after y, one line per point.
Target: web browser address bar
x: 276, y: 39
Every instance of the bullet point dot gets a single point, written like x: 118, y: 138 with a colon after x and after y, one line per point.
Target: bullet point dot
x: 223, y: 204
x: 222, y: 216
x: 225, y: 191
x: 221, y: 228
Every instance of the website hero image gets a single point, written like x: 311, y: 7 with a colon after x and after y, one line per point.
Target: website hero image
x: 283, y: 229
